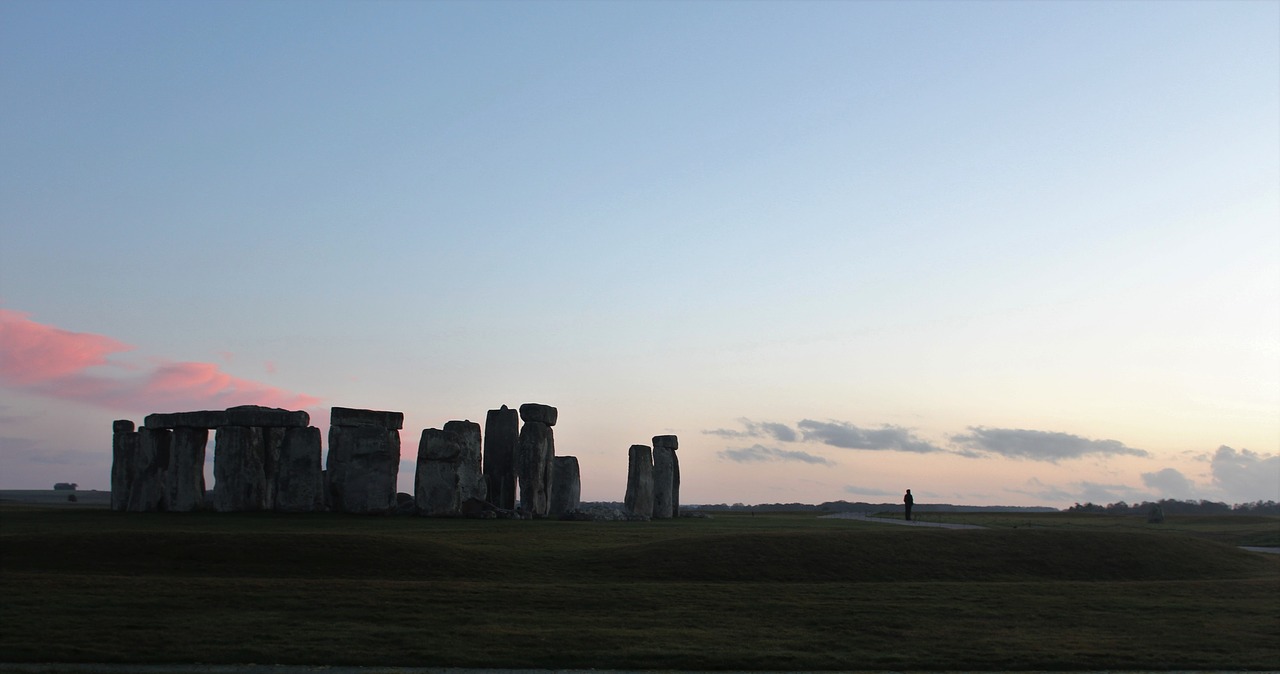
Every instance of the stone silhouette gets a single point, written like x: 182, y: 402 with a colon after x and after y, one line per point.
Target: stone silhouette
x: 186, y: 469
x: 239, y: 476
x: 299, y: 475
x: 124, y: 452
x: 566, y: 486
x: 535, y: 452
x: 501, y: 437
x: 639, y: 498
x: 364, y: 458
x: 666, y: 477
x: 149, y: 489
x: 448, y: 470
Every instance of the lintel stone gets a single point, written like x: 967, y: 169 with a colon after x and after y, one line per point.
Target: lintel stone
x: 346, y: 416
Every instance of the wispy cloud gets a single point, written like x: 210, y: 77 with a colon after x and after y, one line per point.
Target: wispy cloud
x: 1080, y: 492
x: 1245, y: 476
x: 761, y: 429
x: 1038, y: 445
x: 867, y: 491
x: 760, y: 453
x: 61, y: 364
x: 848, y: 436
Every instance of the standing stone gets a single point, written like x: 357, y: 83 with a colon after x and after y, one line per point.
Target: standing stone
x: 363, y: 461
x: 470, y: 476
x: 534, y: 456
x: 149, y: 490
x: 239, y: 479
x: 566, y: 485
x: 639, y: 499
x: 663, y: 479
x: 186, y: 471
x: 437, y: 490
x: 299, y: 479
x: 501, y: 436
x: 272, y: 440
x: 124, y: 452
x: 672, y: 443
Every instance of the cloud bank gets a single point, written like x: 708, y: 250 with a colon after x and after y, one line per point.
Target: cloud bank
x: 760, y: 453
x: 76, y: 366
x: 752, y: 429
x: 1048, y: 446
x: 847, y: 436
x: 1246, y: 475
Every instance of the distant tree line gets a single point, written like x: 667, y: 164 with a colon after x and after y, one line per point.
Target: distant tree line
x: 847, y: 507
x: 1175, y: 507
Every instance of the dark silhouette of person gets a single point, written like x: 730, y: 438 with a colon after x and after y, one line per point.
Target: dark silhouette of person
x: 907, y: 502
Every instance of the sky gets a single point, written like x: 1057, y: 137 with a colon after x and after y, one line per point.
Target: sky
x: 1016, y: 253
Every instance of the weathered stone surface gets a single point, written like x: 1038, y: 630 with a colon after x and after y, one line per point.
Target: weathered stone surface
x: 534, y: 412
x: 299, y: 478
x: 124, y: 452
x: 242, y: 415
x: 668, y: 441
x: 345, y: 416
x: 566, y: 486
x: 361, y: 468
x: 186, y: 470
x: 501, y: 435
x: 534, y: 454
x: 148, y: 490
x: 239, y: 479
x: 663, y: 482
x: 675, y: 484
x: 437, y: 490
x: 470, y: 477
x: 272, y: 439
x: 639, y: 498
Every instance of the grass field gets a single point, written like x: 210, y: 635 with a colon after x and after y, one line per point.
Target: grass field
x: 778, y: 591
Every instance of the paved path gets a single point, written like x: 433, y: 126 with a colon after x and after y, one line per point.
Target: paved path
x: 911, y: 523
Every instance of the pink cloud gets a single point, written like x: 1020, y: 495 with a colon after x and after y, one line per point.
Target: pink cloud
x: 34, y: 352
x: 56, y: 363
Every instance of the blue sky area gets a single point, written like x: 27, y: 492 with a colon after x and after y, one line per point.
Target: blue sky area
x: 996, y: 252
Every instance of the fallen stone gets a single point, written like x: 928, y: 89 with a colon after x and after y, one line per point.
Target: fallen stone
x: 501, y: 435
x: 566, y: 486
x: 534, y: 412
x: 639, y: 497
x: 345, y: 416
x: 405, y: 504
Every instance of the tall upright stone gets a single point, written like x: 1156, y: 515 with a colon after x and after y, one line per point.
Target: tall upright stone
x: 124, y: 452
x: 437, y: 491
x: 272, y: 443
x: 501, y: 437
x: 186, y: 471
x: 299, y: 476
x: 566, y: 485
x: 471, y: 480
x: 535, y: 452
x: 639, y: 498
x: 149, y: 490
x: 663, y: 469
x: 363, y: 461
x: 239, y: 479
x: 666, y: 476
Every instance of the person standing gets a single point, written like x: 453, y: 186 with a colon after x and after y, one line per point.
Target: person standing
x: 907, y: 502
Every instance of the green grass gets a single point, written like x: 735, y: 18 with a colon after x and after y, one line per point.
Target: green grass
x: 779, y: 592
x: 1259, y: 530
